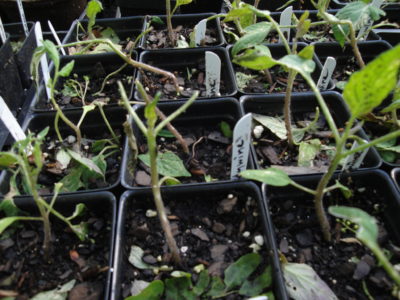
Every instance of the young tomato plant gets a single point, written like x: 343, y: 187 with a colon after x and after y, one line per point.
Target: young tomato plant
x: 26, y: 159
x: 169, y: 14
x: 365, y: 90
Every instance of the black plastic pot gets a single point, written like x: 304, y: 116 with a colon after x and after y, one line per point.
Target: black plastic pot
x: 93, y: 127
x: 202, y: 6
x: 277, y: 52
x: 201, y: 197
x: 24, y: 54
x: 273, y: 105
x: 395, y: 174
x: 139, y: 7
x: 199, y: 114
x: 186, y: 59
x: 388, y: 201
x: 187, y: 21
x: 100, y: 203
x: 368, y: 49
x: 125, y: 28
x: 275, y: 4
x: 392, y: 36
x: 86, y: 65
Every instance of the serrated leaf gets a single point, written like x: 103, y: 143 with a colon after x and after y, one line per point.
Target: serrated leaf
x: 241, y: 269
x: 255, y: 34
x: 153, y: 291
x: 56, y: 294
x: 179, y: 288
x: 135, y: 258
x: 258, y: 285
x: 7, y: 159
x: 168, y: 163
x: 85, y: 162
x: 67, y: 69
x: 368, y: 87
x: 275, y: 125
x: 271, y: 176
x: 302, y: 283
x: 308, y: 150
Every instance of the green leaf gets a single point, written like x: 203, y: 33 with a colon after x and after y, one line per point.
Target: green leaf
x: 153, y: 291
x: 72, y: 182
x: 241, y: 269
x: 243, y: 80
x: 217, y: 287
x: 60, y: 293
x: 256, y: 286
x: 257, y: 59
x: 6, y: 222
x: 150, y: 111
x: 81, y: 230
x: 110, y: 34
x: 42, y: 134
x: 275, y: 125
x: 179, y: 3
x: 179, y: 288
x: 79, y: 210
x: 51, y: 50
x: 168, y: 163
x: 172, y: 181
x: 202, y: 283
x: 384, y: 146
x: 304, y: 25
x: 308, y: 150
x: 368, y: 87
x: 303, y: 283
x: 226, y: 129
x: 393, y: 106
x: 135, y: 258
x: 244, y: 15
x: 307, y: 52
x: 347, y: 193
x: 98, y: 145
x: 67, y: 69
x: 7, y: 159
x: 92, y: 9
x: 157, y: 20
x: 85, y: 162
x: 388, y: 156
x: 8, y: 206
x: 301, y: 65
x: 165, y: 133
x: 271, y: 176
x: 255, y: 34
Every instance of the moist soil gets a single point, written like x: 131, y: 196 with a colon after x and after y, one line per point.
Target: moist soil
x: 159, y: 39
x: 213, y: 231
x: 190, y: 79
x: 343, y: 71
x: 272, y: 151
x: 210, y: 155
x: 66, y: 97
x: 53, y: 171
x: 344, y: 263
x: 257, y: 83
x: 24, y: 270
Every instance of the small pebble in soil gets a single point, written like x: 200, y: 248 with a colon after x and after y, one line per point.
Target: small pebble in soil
x: 259, y: 240
x: 71, y: 139
x: 257, y: 131
x: 246, y: 234
x: 151, y: 213
x: 184, y: 249
x: 255, y: 247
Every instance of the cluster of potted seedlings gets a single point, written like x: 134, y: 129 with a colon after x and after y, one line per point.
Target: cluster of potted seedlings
x: 138, y: 177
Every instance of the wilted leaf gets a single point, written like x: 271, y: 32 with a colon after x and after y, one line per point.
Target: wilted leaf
x: 308, y: 150
x: 302, y: 283
x: 135, y: 258
x: 85, y: 162
x: 153, y: 291
x: 275, y: 125
x: 72, y: 182
x: 269, y: 176
x: 241, y: 269
x: 56, y: 294
x: 63, y: 158
x: 79, y: 210
x: 81, y: 230
x: 168, y: 163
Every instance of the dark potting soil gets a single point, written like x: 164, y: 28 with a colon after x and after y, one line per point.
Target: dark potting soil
x: 67, y: 97
x: 255, y: 82
x: 343, y: 71
x: 210, y: 155
x: 344, y: 263
x: 213, y: 232
x: 190, y: 80
x: 24, y: 270
x: 53, y: 171
x: 159, y: 39
x: 272, y: 151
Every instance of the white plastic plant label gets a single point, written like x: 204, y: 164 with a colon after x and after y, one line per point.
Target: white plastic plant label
x: 354, y: 160
x: 56, y: 38
x: 43, y: 60
x: 2, y: 32
x: 241, y: 145
x: 10, y: 122
x: 326, y: 73
x: 22, y: 15
x: 213, y: 74
x: 200, y: 31
x: 118, y: 13
x: 286, y: 20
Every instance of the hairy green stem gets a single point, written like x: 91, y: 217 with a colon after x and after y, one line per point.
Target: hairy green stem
x: 109, y: 127
x: 109, y: 76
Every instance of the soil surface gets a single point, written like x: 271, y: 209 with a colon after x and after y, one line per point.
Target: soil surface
x: 67, y: 97
x: 210, y: 154
x: 343, y: 71
x: 344, y: 263
x: 213, y: 230
x: 254, y: 82
x: 158, y: 39
x: 24, y: 270
x: 190, y: 79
